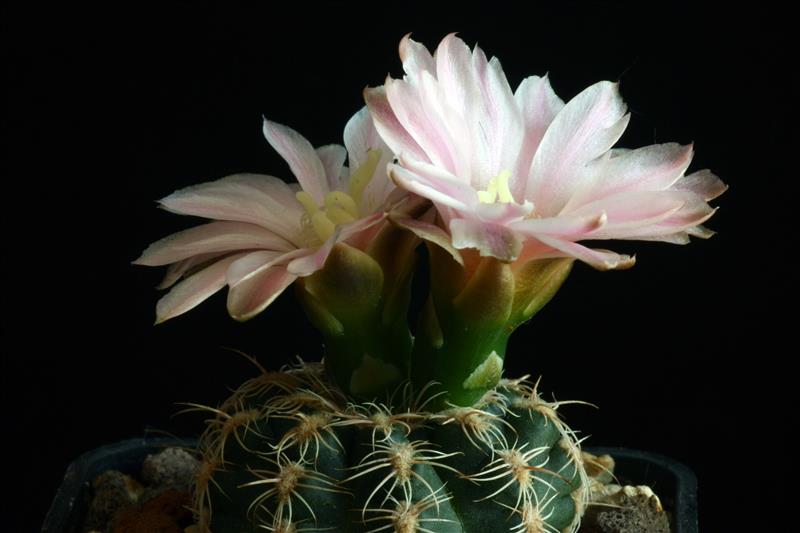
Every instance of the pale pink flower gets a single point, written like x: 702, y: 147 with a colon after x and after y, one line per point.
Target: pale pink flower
x: 521, y: 175
x: 266, y: 233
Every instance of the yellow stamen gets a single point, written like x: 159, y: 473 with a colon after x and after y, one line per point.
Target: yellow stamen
x: 340, y: 207
x: 488, y: 196
x: 338, y: 215
x: 323, y: 226
x: 503, y: 191
x: 307, y: 201
x: 342, y: 201
x: 497, y: 190
x: 361, y: 177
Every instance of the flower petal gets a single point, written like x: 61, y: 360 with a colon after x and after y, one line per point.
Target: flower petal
x: 599, y: 259
x: 539, y: 105
x: 703, y: 183
x: 222, y: 236
x: 388, y: 125
x: 193, y: 290
x: 500, y: 130
x: 585, y: 129
x: 313, y: 260
x: 680, y: 237
x: 301, y: 156
x: 565, y: 227
x: 251, y: 296
x: 495, y: 240
x: 346, y: 231
x: 177, y: 270
x: 433, y: 183
x: 360, y: 136
x: 627, y: 213
x: 423, y: 124
x: 686, y: 219
x: 700, y: 231
x: 332, y: 157
x: 503, y: 213
x: 254, y: 198
x: 428, y: 232
x: 453, y: 126
x: 252, y: 264
x: 415, y: 57
x: 456, y: 75
x: 309, y: 261
x: 650, y: 168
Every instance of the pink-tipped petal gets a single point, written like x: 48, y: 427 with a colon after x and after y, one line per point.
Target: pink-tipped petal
x: 403, y: 203
x: 388, y: 125
x: 628, y: 213
x: 254, y: 198
x: 702, y: 183
x: 361, y: 232
x: 180, y: 269
x: 533, y: 249
x: 564, y: 227
x: 454, y: 127
x: 491, y: 240
x: 433, y: 183
x: 193, y: 290
x: 360, y: 136
x: 681, y: 237
x: 415, y: 57
x: 362, y: 224
x: 251, y: 296
x: 599, y: 259
x: 456, y: 75
x: 251, y: 265
x: 380, y: 188
x: 503, y: 213
x: 332, y: 157
x: 422, y: 123
x: 585, y: 129
x: 429, y: 232
x: 700, y: 231
x: 313, y: 260
x: 650, y: 168
x: 539, y: 105
x: 210, y: 238
x: 693, y: 213
x: 301, y: 157
x: 500, y: 130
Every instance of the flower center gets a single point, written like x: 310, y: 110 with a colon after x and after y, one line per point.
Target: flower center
x: 497, y: 190
x: 339, y: 207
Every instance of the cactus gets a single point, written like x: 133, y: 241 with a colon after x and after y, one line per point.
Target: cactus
x: 287, y: 452
x: 417, y: 432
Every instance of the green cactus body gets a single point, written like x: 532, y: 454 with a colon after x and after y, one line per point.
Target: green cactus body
x: 287, y: 453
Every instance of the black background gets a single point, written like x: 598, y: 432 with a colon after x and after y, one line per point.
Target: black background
x: 107, y: 110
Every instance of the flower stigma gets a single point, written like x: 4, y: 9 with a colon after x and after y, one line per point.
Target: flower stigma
x: 497, y: 190
x: 339, y: 207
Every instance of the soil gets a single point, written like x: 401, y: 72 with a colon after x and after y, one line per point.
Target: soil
x: 157, y: 501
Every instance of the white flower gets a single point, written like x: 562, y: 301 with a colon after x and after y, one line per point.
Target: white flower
x: 266, y: 233
x: 520, y: 175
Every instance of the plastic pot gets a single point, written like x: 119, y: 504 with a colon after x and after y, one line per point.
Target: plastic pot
x: 675, y: 484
